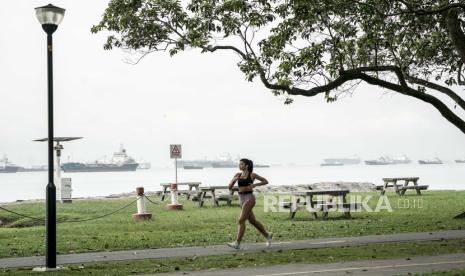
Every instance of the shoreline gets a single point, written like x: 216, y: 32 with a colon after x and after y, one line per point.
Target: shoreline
x: 268, y: 189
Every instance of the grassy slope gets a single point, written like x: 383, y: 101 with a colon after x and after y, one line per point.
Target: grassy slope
x: 211, y: 225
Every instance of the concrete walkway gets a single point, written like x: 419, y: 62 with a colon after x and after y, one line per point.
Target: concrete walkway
x: 404, y: 266
x: 223, y: 249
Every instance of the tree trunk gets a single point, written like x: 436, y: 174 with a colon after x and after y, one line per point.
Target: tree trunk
x: 456, y: 33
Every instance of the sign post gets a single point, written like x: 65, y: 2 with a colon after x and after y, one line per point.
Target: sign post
x: 175, y: 153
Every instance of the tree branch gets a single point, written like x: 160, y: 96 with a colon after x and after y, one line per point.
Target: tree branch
x: 208, y: 48
x: 440, y: 88
x: 438, y: 104
x: 392, y: 68
x: 359, y: 73
x: 226, y: 47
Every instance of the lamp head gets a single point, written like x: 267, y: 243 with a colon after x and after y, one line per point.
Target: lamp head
x: 50, y: 17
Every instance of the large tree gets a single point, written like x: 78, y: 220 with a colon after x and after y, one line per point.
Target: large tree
x: 303, y: 47
x: 311, y: 47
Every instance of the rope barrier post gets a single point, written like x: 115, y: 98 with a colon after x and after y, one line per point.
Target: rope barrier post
x: 141, y: 214
x: 174, y: 198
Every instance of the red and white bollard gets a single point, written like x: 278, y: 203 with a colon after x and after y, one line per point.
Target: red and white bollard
x: 141, y: 214
x: 174, y: 198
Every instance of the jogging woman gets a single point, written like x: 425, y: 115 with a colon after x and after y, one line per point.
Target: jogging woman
x: 245, y: 180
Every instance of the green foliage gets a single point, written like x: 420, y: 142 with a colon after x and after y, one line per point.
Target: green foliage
x: 301, y: 43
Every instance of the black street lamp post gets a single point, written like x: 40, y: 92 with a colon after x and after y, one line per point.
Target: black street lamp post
x: 50, y: 17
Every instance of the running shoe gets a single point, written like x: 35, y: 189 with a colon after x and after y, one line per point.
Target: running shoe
x: 268, y: 240
x: 233, y: 244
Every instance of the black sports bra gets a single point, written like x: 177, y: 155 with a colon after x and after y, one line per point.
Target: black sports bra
x: 241, y: 182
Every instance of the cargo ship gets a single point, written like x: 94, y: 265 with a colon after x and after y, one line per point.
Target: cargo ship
x: 344, y: 161
x: 33, y: 169
x: 193, y: 167
x: 6, y: 166
x: 386, y: 160
x: 435, y: 161
x: 225, y: 164
x: 402, y: 160
x: 224, y: 161
x: 119, y: 162
x: 380, y: 161
x: 196, y: 163
x: 334, y: 163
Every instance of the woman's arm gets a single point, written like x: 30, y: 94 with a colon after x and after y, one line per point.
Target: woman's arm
x: 262, y: 182
x: 234, y: 180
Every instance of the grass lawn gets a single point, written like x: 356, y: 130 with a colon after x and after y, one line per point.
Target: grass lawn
x: 322, y: 255
x: 455, y: 272
x: 213, y: 225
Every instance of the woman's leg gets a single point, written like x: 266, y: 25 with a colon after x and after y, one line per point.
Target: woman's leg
x: 246, y: 208
x: 257, y: 224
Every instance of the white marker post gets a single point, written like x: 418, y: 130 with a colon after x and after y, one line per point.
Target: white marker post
x: 141, y: 214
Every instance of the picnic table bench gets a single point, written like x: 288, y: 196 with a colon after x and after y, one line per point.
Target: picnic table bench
x: 401, y: 189
x: 321, y: 205
x: 216, y: 198
x: 193, y: 189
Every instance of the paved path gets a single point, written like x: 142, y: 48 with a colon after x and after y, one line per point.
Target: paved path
x: 223, y: 249
x: 371, y: 267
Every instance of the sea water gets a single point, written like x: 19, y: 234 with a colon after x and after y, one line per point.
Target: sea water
x: 31, y: 185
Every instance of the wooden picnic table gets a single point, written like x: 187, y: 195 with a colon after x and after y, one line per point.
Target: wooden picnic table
x: 321, y: 205
x: 211, y: 189
x: 401, y: 189
x: 193, y: 188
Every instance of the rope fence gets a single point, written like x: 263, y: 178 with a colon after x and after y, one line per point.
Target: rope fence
x: 81, y: 220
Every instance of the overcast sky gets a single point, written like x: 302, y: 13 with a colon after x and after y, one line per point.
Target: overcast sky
x: 201, y: 101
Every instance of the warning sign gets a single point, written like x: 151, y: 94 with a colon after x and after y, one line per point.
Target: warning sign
x: 175, y: 151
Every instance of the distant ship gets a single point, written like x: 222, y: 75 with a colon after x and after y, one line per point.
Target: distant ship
x: 460, y: 161
x: 386, y: 160
x: 332, y: 164
x: 435, y: 161
x: 224, y: 164
x: 193, y: 167
x: 224, y: 161
x: 7, y: 167
x: 33, y: 169
x: 380, y: 161
x: 401, y: 160
x: 343, y: 161
x: 120, y: 162
x: 198, y: 163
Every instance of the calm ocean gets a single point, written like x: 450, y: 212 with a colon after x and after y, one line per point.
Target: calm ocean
x: 31, y: 185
